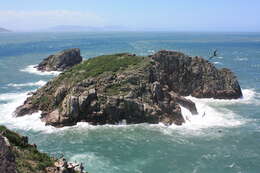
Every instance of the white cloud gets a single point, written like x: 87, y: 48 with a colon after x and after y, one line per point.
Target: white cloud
x: 30, y: 20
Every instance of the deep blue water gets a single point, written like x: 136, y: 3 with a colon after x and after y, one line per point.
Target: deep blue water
x: 197, y: 147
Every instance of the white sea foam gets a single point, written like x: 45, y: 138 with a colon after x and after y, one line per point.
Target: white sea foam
x: 92, y: 159
x: 151, y: 51
x: 212, y: 113
x: 249, y: 97
x: 209, y: 115
x: 39, y: 83
x: 241, y: 59
x: 31, y: 69
x: 30, y: 122
x: 217, y: 62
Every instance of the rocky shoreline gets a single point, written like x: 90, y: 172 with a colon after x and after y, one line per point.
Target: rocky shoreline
x: 18, y: 156
x: 111, y: 88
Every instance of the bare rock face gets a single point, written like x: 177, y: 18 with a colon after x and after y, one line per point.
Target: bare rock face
x: 112, y: 88
x: 61, y: 61
x: 195, y: 76
x: 7, y: 157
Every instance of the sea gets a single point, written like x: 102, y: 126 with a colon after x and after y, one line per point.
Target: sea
x: 226, y: 139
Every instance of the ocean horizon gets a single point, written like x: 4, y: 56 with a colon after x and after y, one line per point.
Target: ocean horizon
x: 226, y: 140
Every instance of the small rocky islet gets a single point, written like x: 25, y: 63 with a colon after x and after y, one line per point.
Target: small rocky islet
x: 120, y: 87
x: 60, y: 61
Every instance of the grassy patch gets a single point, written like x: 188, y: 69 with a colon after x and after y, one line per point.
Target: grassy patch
x: 31, y: 160
x: 28, y: 158
x: 98, y: 65
x: 117, y: 89
x: 14, y: 138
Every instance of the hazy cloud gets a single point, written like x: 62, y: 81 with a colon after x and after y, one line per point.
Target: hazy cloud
x: 30, y: 20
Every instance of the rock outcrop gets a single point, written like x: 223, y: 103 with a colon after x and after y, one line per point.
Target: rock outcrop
x: 112, y: 88
x: 17, y: 155
x: 195, y: 76
x: 61, y: 61
x: 7, y: 157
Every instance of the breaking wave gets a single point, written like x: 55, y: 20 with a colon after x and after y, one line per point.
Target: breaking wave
x: 39, y: 84
x: 217, y: 62
x: 209, y: 115
x: 30, y: 122
x: 249, y: 97
x: 31, y: 69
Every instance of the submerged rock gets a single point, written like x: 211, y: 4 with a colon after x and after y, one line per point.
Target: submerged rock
x: 111, y: 88
x: 61, y: 61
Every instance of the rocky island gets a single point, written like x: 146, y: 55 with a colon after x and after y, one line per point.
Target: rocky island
x: 61, y: 61
x: 137, y: 89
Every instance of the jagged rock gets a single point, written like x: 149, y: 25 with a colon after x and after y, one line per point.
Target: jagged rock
x: 195, y: 76
x: 63, y: 166
x: 188, y: 104
x: 7, y: 157
x: 61, y: 61
x: 112, y: 88
x: 26, y: 108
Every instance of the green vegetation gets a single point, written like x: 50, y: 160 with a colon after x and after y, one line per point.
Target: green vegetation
x: 98, y: 65
x: 31, y: 160
x: 28, y: 158
x: 117, y: 89
x: 14, y: 138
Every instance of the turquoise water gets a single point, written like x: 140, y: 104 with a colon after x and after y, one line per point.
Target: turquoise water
x: 226, y: 140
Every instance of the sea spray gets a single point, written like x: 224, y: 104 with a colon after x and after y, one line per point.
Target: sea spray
x: 249, y: 97
x: 211, y: 112
x: 38, y: 83
x: 208, y: 116
x: 29, y: 122
x: 31, y: 69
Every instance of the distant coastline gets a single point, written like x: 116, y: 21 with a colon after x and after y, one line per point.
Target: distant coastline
x: 4, y: 30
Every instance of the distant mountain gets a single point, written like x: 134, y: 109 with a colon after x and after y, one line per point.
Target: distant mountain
x: 4, y: 30
x: 75, y: 28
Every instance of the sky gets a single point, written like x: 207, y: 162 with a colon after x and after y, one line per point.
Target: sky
x: 164, y: 15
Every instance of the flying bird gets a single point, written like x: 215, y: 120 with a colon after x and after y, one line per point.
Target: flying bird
x: 215, y: 54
